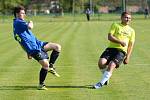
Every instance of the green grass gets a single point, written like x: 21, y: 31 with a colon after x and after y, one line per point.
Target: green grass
x: 82, y: 43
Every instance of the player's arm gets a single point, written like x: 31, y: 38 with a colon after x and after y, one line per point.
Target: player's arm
x: 129, y: 51
x: 30, y: 24
x: 115, y: 40
x: 111, y: 36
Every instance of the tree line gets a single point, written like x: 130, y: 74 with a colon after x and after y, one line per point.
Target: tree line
x: 6, y: 6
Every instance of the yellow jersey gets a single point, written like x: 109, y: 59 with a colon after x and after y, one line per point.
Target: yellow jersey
x: 121, y: 32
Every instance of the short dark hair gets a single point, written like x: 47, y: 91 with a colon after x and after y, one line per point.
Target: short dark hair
x: 17, y: 10
x: 124, y: 13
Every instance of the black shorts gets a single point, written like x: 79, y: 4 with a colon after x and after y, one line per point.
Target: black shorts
x: 113, y: 54
x: 40, y: 55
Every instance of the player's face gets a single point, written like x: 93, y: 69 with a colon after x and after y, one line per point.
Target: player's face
x: 126, y: 19
x: 21, y: 14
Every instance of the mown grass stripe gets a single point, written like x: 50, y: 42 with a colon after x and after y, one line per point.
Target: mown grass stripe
x: 82, y: 43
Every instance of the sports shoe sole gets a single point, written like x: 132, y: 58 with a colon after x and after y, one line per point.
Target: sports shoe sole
x: 54, y: 73
x: 42, y: 88
x: 107, y: 82
x: 97, y: 86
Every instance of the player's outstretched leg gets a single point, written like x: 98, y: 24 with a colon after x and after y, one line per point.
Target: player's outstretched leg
x: 53, y: 57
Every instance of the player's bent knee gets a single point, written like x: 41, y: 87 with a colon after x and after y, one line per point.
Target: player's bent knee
x: 102, y: 64
x: 44, y: 63
x: 58, y: 48
x: 45, y: 66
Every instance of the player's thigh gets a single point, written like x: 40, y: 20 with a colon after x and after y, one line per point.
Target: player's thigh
x: 52, y: 46
x: 40, y: 55
x: 105, y: 57
x: 118, y: 59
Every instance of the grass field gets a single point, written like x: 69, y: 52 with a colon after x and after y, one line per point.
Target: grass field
x: 82, y: 43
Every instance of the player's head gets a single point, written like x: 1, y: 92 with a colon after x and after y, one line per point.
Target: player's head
x: 19, y: 12
x: 125, y: 18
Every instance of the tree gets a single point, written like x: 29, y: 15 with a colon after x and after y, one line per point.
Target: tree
x: 7, y: 5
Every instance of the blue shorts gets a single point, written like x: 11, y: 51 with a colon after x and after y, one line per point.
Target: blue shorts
x: 113, y: 54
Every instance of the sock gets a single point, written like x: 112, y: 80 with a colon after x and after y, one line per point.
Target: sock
x: 43, y: 74
x: 105, y: 77
x: 53, y: 57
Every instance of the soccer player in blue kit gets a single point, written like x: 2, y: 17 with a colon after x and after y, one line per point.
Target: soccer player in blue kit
x: 34, y: 47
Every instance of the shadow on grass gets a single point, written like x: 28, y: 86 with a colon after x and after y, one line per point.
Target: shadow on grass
x: 35, y: 87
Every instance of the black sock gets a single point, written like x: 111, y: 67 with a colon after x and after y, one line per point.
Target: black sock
x: 43, y: 74
x: 53, y: 57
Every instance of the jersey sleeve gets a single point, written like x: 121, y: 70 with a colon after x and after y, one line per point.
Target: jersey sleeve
x: 24, y: 25
x: 132, y: 38
x: 112, y: 28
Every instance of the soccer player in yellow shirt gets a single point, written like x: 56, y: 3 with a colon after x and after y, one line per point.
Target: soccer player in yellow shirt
x: 121, y: 41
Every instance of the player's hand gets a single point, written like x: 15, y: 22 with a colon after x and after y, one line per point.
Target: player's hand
x: 126, y: 60
x: 30, y: 24
x: 29, y: 57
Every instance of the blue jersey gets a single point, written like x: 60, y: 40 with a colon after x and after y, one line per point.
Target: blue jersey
x: 25, y: 37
